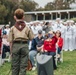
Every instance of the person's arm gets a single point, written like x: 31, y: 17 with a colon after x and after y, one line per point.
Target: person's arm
x: 54, y: 40
x: 39, y: 48
x: 60, y: 43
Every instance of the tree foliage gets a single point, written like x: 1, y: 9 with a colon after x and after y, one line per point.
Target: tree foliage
x: 59, y: 5
x: 49, y: 6
x: 3, y: 13
x: 7, y: 8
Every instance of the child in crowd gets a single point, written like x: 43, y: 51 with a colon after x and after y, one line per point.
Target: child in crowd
x: 59, y: 43
x: 5, y: 43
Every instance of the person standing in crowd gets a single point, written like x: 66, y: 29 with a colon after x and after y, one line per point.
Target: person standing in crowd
x: 18, y: 37
x: 68, y: 37
x: 5, y: 44
x: 7, y: 29
x: 34, y: 29
x: 58, y: 25
x: 39, y: 27
x: 47, y: 27
x: 59, y: 43
x: 63, y: 35
x: 49, y: 46
x: 33, y: 50
x: 74, y: 35
x: 1, y: 47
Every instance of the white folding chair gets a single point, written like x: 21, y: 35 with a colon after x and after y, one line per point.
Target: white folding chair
x: 8, y: 59
x: 56, y: 59
x: 61, y: 59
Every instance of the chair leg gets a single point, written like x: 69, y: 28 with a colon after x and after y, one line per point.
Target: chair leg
x: 61, y: 59
x: 56, y: 58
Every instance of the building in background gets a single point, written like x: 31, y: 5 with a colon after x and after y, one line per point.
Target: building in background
x: 50, y: 15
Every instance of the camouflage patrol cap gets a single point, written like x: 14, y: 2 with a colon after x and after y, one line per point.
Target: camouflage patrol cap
x: 19, y: 13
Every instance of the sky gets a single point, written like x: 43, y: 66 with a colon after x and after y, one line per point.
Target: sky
x: 42, y: 3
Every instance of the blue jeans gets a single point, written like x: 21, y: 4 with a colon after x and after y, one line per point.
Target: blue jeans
x: 32, y: 55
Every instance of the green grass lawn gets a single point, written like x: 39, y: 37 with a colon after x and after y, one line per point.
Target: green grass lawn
x: 68, y: 67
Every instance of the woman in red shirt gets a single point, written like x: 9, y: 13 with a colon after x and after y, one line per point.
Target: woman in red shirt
x: 49, y: 47
x: 59, y: 43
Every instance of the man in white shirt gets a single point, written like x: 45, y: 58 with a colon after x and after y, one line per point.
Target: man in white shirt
x: 34, y: 29
x: 58, y: 25
x: 74, y: 36
x: 68, y: 37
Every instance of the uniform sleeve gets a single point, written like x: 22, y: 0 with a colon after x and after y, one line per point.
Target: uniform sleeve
x: 10, y: 36
x: 30, y: 34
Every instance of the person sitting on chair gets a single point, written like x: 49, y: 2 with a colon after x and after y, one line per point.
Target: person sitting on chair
x: 49, y: 47
x: 59, y: 43
x: 33, y: 50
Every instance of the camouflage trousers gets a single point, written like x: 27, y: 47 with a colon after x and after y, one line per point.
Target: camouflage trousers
x: 19, y: 58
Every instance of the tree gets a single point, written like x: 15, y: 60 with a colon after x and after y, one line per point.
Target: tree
x: 59, y: 5
x: 12, y: 5
x: 49, y: 6
x: 9, y: 5
x: 40, y: 9
x: 63, y: 4
x: 29, y: 5
x: 3, y: 12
